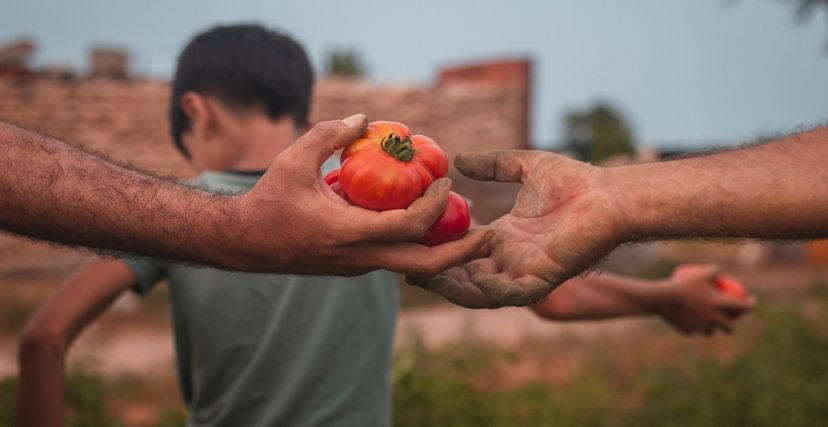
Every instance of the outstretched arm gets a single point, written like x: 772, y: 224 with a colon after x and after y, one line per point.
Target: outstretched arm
x: 570, y: 214
x: 50, y: 332
x: 53, y: 191
x: 602, y: 296
x: 289, y: 222
x: 691, y: 303
x: 773, y: 190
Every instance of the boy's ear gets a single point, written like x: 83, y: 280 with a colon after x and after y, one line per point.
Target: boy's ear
x: 195, y: 107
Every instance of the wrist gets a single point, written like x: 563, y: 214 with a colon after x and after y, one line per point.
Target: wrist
x: 652, y: 297
x: 244, y: 238
x: 614, y: 183
x: 664, y: 297
x: 633, y: 198
x: 221, y: 233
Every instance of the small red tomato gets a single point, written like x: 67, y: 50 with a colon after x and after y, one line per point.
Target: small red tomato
x: 332, y: 179
x: 388, y: 168
x: 451, y: 225
x: 731, y: 286
x: 727, y: 284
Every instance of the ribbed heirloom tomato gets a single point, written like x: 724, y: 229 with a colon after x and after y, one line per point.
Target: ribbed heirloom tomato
x: 388, y: 168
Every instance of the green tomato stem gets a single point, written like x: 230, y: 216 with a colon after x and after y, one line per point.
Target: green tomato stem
x: 398, y: 148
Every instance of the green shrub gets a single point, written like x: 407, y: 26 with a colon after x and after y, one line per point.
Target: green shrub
x: 780, y: 378
x: 84, y: 396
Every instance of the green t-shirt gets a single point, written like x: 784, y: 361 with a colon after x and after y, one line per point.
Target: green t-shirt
x: 278, y: 350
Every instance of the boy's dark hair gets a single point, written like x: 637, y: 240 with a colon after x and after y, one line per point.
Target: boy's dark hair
x: 243, y: 66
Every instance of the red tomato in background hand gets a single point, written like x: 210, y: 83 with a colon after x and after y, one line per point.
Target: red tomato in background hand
x: 332, y: 179
x: 451, y: 225
x: 727, y: 284
x: 388, y: 168
x: 731, y: 286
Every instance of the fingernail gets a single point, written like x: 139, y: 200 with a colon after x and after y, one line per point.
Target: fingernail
x: 461, y: 158
x: 356, y: 121
x: 445, y: 182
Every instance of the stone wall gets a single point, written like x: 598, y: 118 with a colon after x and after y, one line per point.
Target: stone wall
x: 126, y: 119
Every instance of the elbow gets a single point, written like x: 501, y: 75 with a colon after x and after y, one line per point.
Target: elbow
x: 39, y: 340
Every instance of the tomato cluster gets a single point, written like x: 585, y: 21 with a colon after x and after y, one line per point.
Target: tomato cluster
x: 388, y: 168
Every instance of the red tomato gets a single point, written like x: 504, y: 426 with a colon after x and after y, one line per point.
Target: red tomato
x: 332, y: 179
x: 731, y: 286
x: 451, y: 225
x: 388, y: 168
x: 727, y: 284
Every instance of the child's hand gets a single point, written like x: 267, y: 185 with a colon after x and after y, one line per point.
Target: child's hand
x: 695, y: 304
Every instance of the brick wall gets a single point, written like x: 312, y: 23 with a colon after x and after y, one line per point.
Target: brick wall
x: 126, y: 120
x: 466, y: 110
x: 513, y: 77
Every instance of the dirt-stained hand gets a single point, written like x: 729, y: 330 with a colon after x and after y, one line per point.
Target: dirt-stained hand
x: 563, y: 221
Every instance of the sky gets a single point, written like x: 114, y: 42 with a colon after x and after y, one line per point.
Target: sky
x: 685, y: 73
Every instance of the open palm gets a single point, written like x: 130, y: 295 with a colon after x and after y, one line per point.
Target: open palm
x: 562, y: 222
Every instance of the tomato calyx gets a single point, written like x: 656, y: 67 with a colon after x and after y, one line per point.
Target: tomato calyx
x: 398, y: 148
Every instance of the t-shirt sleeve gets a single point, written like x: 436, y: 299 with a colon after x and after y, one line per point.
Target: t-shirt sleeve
x: 148, y: 272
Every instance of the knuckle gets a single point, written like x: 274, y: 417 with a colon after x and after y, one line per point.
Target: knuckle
x: 320, y: 133
x: 329, y: 129
x: 420, y: 227
x: 414, y: 230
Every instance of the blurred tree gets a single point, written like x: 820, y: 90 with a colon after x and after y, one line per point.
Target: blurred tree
x: 344, y: 63
x: 806, y: 8
x: 597, y: 133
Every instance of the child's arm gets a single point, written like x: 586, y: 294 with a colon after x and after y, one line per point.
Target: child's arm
x: 691, y: 303
x: 51, y: 330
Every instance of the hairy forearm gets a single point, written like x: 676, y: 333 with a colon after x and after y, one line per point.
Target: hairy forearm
x: 773, y: 190
x: 600, y: 297
x: 50, y: 190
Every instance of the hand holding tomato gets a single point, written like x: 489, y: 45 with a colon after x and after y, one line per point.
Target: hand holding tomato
x: 290, y: 222
x: 698, y: 302
x: 727, y: 284
x: 387, y: 168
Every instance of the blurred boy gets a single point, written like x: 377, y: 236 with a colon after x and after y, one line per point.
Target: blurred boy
x: 264, y: 350
x: 252, y: 349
